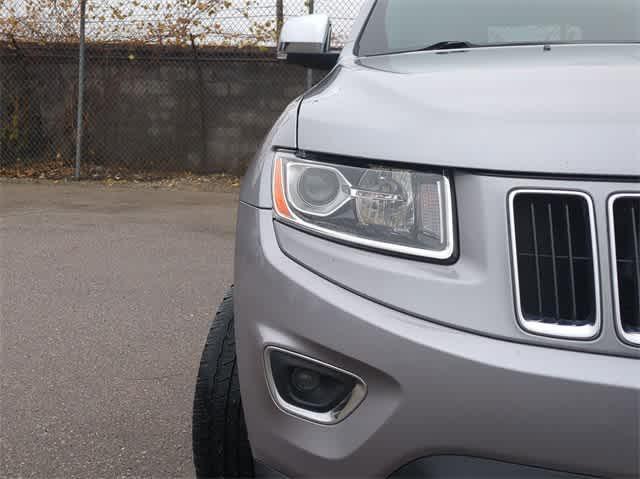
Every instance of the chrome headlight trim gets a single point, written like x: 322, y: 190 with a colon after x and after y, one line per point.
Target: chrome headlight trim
x: 338, y: 173
x: 446, y: 255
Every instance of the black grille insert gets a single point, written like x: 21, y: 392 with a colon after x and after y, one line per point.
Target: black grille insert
x: 555, y: 264
x: 626, y: 234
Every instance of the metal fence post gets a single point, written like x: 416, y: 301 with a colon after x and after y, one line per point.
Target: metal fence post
x: 309, y: 70
x: 81, y: 87
x: 279, y: 18
x: 204, y: 166
x: 2, y: 109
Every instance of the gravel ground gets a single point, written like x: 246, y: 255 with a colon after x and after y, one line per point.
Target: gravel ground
x: 106, y: 291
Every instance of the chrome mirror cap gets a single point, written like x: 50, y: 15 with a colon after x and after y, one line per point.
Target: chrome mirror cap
x: 310, y: 34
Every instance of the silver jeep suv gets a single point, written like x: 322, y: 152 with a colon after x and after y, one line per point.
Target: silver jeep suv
x: 438, y: 253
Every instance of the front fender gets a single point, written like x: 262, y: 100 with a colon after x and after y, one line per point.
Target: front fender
x: 256, y: 186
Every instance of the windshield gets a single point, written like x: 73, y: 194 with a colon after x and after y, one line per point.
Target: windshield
x: 407, y: 25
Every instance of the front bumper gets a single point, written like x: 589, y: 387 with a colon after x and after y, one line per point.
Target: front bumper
x: 432, y: 391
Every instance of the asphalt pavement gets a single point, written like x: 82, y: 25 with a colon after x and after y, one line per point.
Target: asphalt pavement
x: 106, y: 294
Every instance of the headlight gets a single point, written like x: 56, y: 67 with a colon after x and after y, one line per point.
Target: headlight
x: 396, y: 210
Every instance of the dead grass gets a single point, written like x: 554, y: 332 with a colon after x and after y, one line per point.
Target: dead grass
x: 57, y: 171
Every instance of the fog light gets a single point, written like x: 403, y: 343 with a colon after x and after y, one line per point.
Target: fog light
x: 312, y: 389
x: 305, y: 380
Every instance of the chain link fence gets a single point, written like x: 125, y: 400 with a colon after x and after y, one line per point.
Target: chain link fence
x: 170, y: 86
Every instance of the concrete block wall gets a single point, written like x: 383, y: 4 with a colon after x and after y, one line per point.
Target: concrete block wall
x: 153, y: 108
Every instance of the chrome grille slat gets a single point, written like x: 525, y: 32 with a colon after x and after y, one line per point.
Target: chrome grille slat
x: 574, y: 307
x: 537, y: 257
x: 555, y: 262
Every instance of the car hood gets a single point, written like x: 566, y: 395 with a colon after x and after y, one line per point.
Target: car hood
x: 570, y: 110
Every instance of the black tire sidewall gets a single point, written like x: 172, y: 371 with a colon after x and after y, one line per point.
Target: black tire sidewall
x: 220, y: 442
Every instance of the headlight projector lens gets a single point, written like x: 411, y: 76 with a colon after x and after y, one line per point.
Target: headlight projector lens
x: 318, y: 186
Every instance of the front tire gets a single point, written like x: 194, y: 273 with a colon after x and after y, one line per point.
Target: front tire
x: 221, y: 446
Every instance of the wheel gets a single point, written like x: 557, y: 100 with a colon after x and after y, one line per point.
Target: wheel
x: 220, y: 443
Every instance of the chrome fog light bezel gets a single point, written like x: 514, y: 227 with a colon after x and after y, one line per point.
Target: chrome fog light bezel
x: 332, y: 417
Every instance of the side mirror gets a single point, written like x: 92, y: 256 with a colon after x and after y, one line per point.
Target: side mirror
x: 305, y: 41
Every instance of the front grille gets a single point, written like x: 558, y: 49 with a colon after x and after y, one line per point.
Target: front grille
x: 624, y: 214
x: 555, y: 263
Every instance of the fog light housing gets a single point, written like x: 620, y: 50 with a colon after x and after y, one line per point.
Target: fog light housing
x: 311, y: 389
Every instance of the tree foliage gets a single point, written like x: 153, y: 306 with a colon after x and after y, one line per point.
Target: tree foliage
x: 220, y: 22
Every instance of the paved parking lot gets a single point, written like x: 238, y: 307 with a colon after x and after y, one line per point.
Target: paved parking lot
x: 106, y: 293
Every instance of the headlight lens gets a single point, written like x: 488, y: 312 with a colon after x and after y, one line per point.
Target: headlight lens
x: 395, y: 210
